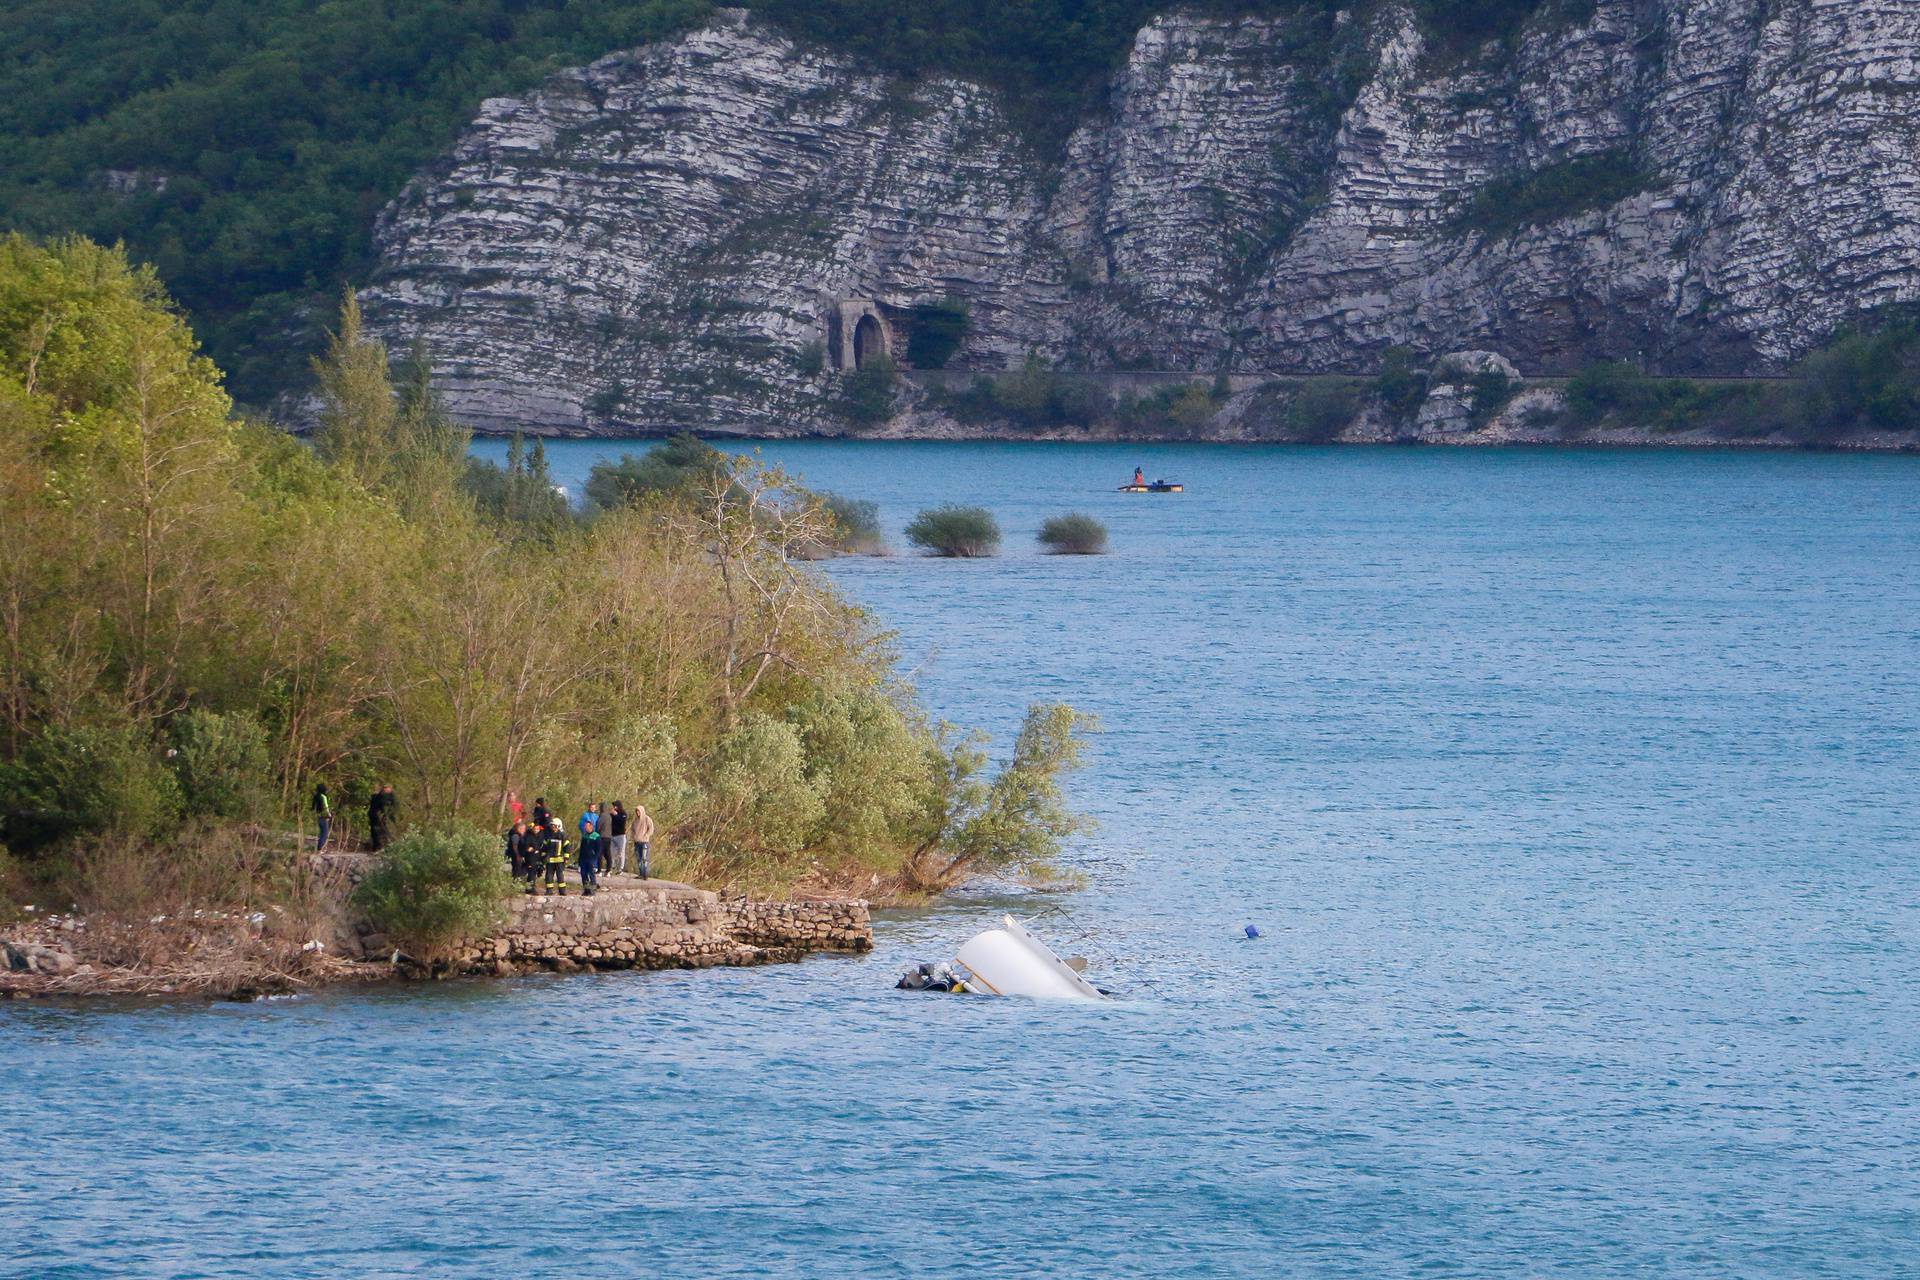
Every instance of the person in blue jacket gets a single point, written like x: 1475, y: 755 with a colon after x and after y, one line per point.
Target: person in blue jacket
x: 589, y: 861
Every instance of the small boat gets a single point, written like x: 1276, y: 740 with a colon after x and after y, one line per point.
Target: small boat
x: 1158, y: 486
x: 1007, y: 961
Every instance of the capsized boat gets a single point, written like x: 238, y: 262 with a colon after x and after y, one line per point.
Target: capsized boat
x: 1007, y: 961
x: 1158, y: 486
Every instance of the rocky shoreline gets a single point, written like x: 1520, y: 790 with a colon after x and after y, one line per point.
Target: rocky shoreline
x: 630, y: 924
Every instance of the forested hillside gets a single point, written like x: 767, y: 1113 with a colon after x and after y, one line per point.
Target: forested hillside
x: 244, y: 146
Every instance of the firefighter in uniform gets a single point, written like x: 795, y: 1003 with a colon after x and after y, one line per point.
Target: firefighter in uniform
x: 554, y: 849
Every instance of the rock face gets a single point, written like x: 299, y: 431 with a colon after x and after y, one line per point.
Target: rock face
x: 669, y: 236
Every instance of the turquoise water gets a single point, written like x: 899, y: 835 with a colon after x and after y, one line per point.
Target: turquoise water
x: 1575, y: 794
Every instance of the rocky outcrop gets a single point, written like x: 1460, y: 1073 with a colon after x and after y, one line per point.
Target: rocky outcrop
x: 631, y: 924
x: 663, y: 238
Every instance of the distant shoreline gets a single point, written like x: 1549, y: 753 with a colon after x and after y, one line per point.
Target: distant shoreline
x: 1612, y: 441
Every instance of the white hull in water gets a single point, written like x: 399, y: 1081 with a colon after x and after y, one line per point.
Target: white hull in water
x: 1009, y: 961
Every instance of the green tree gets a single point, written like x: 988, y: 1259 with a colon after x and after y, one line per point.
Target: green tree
x: 682, y: 462
x: 359, y: 428
x: 435, y: 893
x: 1018, y: 822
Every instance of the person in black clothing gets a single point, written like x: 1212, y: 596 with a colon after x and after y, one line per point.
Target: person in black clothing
x: 380, y: 817
x: 517, y: 849
x: 616, y: 846
x: 531, y: 859
x: 542, y: 815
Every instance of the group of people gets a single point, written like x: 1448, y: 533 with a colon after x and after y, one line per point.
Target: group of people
x: 536, y: 846
x: 383, y: 816
x: 536, y: 849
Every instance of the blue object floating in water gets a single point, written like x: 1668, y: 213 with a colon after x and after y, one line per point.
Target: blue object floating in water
x: 1252, y: 932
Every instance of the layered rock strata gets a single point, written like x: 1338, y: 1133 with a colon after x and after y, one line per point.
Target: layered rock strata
x: 663, y: 239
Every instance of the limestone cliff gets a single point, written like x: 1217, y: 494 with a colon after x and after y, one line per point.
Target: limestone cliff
x: 672, y: 236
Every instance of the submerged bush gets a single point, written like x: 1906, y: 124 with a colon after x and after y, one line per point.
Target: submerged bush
x: 856, y: 524
x: 1074, y: 534
x: 1015, y: 824
x: 955, y: 531
x: 434, y: 892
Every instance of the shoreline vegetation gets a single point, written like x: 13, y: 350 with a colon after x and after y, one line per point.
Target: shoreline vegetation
x: 202, y: 617
x: 1860, y: 390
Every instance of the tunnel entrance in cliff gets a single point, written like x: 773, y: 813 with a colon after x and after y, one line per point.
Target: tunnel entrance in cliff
x: 858, y: 333
x: 867, y: 342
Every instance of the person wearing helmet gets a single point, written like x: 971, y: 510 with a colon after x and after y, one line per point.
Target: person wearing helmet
x: 554, y: 851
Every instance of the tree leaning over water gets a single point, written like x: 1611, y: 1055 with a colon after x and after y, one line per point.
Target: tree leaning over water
x: 196, y: 606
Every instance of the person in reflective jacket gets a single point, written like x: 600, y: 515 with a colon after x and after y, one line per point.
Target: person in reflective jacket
x: 554, y: 851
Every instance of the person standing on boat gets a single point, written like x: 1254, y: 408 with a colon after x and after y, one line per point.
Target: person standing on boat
x: 1139, y: 476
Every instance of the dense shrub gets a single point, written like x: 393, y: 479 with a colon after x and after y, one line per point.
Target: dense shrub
x: 1493, y: 390
x: 223, y: 764
x: 1321, y: 408
x: 673, y: 465
x: 1073, y: 534
x: 1867, y: 378
x: 955, y: 531
x: 433, y: 892
x: 1510, y: 202
x: 866, y: 394
x: 521, y: 495
x: 856, y: 524
x: 1401, y: 384
x: 100, y: 778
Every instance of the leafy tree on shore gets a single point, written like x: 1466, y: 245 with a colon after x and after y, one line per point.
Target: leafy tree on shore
x: 678, y: 463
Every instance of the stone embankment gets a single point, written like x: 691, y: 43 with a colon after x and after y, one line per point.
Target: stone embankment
x: 629, y: 924
x: 657, y: 924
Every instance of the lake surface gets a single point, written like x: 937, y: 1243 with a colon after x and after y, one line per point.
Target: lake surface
x: 1574, y: 793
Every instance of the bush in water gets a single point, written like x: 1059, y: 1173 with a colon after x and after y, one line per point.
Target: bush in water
x: 955, y: 531
x: 1074, y: 534
x: 856, y: 524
